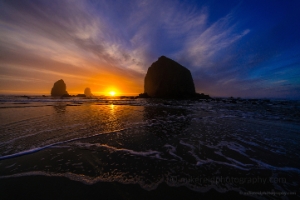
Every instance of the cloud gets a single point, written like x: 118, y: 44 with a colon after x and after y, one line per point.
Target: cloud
x: 80, y: 29
x: 102, y: 42
x: 202, y: 48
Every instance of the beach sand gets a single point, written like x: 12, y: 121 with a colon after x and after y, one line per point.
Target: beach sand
x: 149, y: 150
x: 43, y: 187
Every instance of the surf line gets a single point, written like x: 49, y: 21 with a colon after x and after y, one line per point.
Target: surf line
x: 58, y: 143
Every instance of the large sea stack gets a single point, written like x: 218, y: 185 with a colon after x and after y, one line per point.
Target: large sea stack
x: 166, y: 78
x: 59, y: 89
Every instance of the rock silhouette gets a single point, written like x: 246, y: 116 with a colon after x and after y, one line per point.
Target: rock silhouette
x: 166, y: 78
x: 87, y: 92
x: 59, y: 89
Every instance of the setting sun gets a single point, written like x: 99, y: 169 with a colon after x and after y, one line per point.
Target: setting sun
x: 112, y: 93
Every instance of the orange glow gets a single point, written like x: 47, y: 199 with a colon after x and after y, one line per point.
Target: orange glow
x: 101, y: 79
x: 112, y: 93
x: 114, y: 80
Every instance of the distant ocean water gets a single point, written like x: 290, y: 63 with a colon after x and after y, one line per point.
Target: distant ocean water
x: 243, y: 146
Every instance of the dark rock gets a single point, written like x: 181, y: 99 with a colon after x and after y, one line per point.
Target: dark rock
x: 233, y: 101
x: 59, y: 89
x: 87, y: 92
x: 166, y: 78
x: 201, y: 96
x: 80, y: 95
x: 143, y: 95
x: 66, y: 95
x: 252, y: 100
x: 128, y: 97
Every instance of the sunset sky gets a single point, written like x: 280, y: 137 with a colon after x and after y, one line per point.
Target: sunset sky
x: 233, y: 48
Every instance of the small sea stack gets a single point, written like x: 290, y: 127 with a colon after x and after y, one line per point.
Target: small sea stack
x: 87, y: 92
x: 59, y: 89
x: 166, y: 78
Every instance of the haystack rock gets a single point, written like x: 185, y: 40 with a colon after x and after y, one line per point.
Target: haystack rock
x: 166, y: 78
x: 59, y: 89
x: 87, y: 92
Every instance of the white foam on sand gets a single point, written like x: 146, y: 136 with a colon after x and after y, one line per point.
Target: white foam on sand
x: 130, y: 151
x: 88, y: 180
x: 39, y: 132
x: 33, y: 150
x: 263, y: 165
x: 171, y: 150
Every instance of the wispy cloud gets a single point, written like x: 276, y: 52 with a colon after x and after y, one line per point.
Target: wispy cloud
x: 202, y: 47
x: 109, y: 41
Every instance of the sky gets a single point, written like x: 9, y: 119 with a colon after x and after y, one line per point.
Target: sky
x: 247, y: 49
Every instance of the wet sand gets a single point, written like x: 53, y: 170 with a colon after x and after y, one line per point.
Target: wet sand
x: 41, y: 187
x: 150, y: 150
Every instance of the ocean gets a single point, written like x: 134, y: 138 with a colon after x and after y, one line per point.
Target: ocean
x: 249, y: 147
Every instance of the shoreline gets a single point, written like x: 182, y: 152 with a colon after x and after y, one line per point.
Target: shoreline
x: 159, y: 149
x: 42, y: 187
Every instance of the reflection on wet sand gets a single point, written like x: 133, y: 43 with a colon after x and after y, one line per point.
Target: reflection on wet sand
x: 166, y: 121
x: 60, y: 107
x: 184, y: 143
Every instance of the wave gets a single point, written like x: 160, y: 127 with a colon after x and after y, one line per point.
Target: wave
x: 55, y: 144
